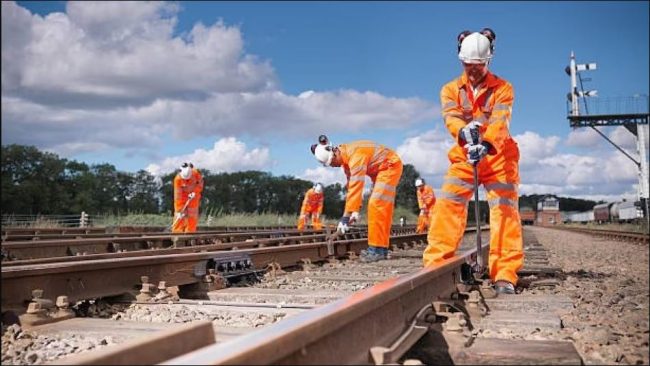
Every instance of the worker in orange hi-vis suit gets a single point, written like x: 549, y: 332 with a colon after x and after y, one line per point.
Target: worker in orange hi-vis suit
x: 476, y: 108
x: 384, y: 167
x: 312, y: 206
x: 426, y: 200
x: 188, y: 185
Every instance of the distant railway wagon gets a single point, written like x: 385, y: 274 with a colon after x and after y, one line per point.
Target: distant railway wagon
x: 617, y: 212
x: 601, y: 212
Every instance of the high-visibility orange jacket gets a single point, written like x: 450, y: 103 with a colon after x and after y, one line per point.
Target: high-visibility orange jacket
x: 460, y: 106
x: 384, y: 167
x: 498, y: 172
x: 313, y: 202
x: 182, y: 189
x: 361, y: 158
x: 426, y: 197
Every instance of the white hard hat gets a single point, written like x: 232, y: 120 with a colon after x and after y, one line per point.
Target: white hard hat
x: 186, y: 171
x: 318, y: 188
x: 419, y: 182
x: 324, y: 154
x: 475, y: 48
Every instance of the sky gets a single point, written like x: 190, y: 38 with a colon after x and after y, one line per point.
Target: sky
x: 234, y: 86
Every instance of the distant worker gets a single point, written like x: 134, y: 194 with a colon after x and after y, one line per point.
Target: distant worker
x: 312, y: 206
x: 188, y: 185
x: 426, y: 200
x: 384, y: 167
x: 479, y: 104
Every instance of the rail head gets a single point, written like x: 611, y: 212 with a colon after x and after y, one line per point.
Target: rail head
x: 352, y: 326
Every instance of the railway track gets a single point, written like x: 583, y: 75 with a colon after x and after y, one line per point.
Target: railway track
x: 609, y: 234
x: 340, y: 312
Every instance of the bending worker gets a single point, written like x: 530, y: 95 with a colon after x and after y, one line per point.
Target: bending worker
x: 479, y: 103
x: 384, y: 167
x: 312, y: 206
x: 426, y: 200
x: 188, y: 185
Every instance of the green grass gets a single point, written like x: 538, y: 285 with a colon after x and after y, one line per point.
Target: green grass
x: 216, y: 218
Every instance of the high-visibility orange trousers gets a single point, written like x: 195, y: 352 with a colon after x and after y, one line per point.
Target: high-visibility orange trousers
x: 315, y: 222
x: 187, y: 224
x: 500, y: 178
x: 381, y: 205
x: 423, y: 224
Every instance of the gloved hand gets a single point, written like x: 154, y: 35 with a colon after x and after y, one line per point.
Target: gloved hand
x: 191, y: 195
x: 343, y: 224
x: 179, y: 215
x: 316, y: 216
x: 470, y: 134
x: 476, y: 152
x: 422, y: 212
x: 302, y: 217
x: 354, y: 217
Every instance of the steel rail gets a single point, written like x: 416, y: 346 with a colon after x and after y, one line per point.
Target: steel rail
x: 109, y: 277
x: 342, y: 332
x: 71, y: 247
x: 625, y: 235
x: 248, y: 244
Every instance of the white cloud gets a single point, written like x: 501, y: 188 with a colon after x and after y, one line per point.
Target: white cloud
x: 227, y: 155
x: 533, y: 147
x: 427, y: 152
x: 324, y: 175
x: 114, y: 75
x: 583, y: 137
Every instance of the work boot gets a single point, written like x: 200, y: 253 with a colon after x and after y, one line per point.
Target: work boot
x: 373, y: 254
x: 504, y: 287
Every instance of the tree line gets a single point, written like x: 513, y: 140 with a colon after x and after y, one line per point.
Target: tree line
x: 37, y: 182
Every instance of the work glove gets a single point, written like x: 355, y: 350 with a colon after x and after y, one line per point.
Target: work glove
x: 343, y: 224
x: 470, y: 134
x: 422, y: 212
x: 476, y: 152
x: 179, y: 215
x: 191, y: 195
x: 354, y: 217
x: 316, y: 216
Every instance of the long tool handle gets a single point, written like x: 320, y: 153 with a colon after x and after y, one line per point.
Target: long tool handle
x: 477, y: 212
x: 178, y: 218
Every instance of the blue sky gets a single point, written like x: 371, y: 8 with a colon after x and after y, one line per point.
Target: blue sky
x: 250, y: 85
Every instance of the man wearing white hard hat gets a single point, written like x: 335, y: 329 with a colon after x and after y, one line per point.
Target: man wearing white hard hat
x: 312, y: 206
x: 476, y: 108
x: 188, y: 185
x: 426, y: 201
x: 384, y: 167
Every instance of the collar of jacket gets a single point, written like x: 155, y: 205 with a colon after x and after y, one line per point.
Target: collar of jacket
x: 490, y: 80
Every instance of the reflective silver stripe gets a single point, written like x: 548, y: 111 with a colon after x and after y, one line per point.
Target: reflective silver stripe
x: 498, y: 119
x: 384, y: 186
x: 452, y: 197
x: 383, y: 197
x: 501, y: 107
x: 357, y: 178
x: 453, y: 114
x: 458, y: 182
x: 488, y: 94
x: 501, y: 201
x: 502, y: 186
x: 358, y: 170
x: 464, y: 100
x: 466, y: 119
x: 449, y: 105
x: 481, y: 118
x: 379, y: 156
